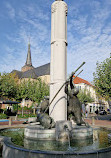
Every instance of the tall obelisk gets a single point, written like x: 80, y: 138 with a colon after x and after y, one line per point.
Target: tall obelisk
x: 58, y: 66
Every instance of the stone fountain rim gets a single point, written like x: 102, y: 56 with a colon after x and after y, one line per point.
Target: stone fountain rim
x: 7, y: 141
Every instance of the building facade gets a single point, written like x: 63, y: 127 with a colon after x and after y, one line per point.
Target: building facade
x: 98, y: 103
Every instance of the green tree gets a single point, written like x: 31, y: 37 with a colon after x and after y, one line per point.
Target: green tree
x: 34, y: 90
x: 102, y: 78
x: 41, y: 90
x: 8, y: 85
x: 0, y: 86
x: 12, y: 88
x: 85, y: 96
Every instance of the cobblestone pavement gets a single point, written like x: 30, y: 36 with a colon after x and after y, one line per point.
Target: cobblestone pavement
x: 92, y: 122
x: 15, y: 124
x: 99, y: 123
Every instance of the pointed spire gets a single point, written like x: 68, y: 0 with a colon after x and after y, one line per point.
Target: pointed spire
x: 28, y: 64
x: 28, y: 60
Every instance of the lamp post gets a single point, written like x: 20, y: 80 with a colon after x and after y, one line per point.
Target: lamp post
x: 23, y: 104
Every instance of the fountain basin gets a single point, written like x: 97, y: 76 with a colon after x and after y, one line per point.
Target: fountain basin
x: 88, y: 148
x: 11, y: 150
x: 37, y: 132
x: 81, y: 132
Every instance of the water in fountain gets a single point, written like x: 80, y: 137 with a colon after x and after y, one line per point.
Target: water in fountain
x: 69, y: 141
x: 100, y: 140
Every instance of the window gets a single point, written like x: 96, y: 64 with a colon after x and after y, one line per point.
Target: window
x: 90, y: 108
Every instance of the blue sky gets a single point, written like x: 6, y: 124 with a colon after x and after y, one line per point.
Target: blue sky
x: 89, y: 33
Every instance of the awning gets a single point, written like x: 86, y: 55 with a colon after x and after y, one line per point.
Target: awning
x: 9, y: 102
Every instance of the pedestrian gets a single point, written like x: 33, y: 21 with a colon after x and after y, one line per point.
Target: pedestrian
x: 86, y: 113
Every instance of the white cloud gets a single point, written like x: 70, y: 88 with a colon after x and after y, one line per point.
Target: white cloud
x: 11, y: 11
x: 33, y: 12
x: 92, y: 46
x: 89, y: 35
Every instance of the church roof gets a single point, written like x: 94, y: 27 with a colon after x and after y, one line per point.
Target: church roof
x: 28, y: 71
x: 29, y: 74
x: 34, y: 73
x: 18, y: 73
x: 43, y: 70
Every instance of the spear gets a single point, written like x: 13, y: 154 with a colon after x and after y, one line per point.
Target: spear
x: 60, y: 90
x: 64, y: 84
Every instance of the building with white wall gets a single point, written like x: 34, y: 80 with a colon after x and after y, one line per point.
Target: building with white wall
x: 98, y: 103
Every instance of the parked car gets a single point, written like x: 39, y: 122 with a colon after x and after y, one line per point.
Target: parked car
x: 102, y: 112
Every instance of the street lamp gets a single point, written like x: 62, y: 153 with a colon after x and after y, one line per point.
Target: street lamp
x: 23, y: 104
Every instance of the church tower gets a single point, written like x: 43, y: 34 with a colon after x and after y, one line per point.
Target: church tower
x: 28, y: 64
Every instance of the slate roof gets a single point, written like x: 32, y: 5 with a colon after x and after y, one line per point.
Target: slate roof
x: 29, y: 74
x: 18, y: 73
x: 34, y: 73
x: 43, y: 70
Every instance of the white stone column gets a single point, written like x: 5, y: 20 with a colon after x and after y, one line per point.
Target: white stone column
x: 58, y: 66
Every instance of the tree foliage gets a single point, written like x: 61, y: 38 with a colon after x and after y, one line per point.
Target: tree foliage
x: 85, y: 96
x: 34, y: 90
x: 102, y: 78
x: 8, y: 85
x: 12, y: 88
